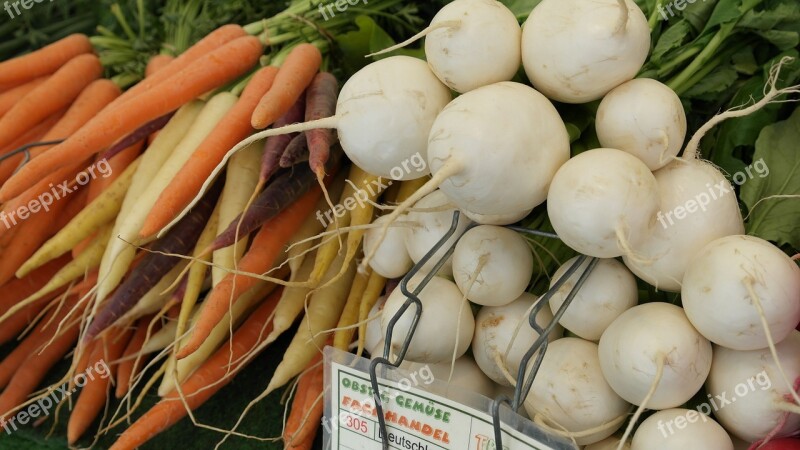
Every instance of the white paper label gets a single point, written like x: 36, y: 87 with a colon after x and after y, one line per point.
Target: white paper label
x: 416, y: 419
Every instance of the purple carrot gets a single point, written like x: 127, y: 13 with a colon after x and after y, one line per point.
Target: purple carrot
x: 137, y: 135
x: 296, y: 151
x: 280, y: 193
x: 275, y: 145
x: 320, y: 103
x: 181, y: 240
x: 180, y: 291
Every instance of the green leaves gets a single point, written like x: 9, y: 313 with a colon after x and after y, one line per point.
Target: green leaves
x: 368, y: 38
x: 779, y: 24
x: 713, y: 85
x: 521, y: 8
x: 734, y: 140
x: 772, y: 199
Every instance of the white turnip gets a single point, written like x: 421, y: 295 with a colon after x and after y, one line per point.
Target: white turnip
x: 384, y: 114
x: 492, y: 265
x: 426, y: 228
x: 497, y: 219
x: 575, y: 51
x: 653, y: 350
x: 644, y: 118
x: 503, y: 335
x: 391, y: 258
x: 605, y: 294
x: 735, y: 281
x: 504, y: 131
x: 602, y: 202
x: 471, y: 43
x: 747, y: 390
x: 680, y: 429
x: 569, y: 392
x: 373, y: 336
x: 697, y: 206
x: 466, y: 375
x: 445, y: 326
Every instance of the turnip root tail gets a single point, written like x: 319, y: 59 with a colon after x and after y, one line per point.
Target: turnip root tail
x: 320, y: 172
x: 657, y: 379
x: 420, y: 35
x: 328, y: 122
x: 771, y: 92
x: 446, y: 171
x: 625, y: 246
x: 784, y: 406
x: 748, y: 283
x: 772, y: 197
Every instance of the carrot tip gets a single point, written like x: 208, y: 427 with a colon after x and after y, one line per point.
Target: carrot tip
x: 188, y: 348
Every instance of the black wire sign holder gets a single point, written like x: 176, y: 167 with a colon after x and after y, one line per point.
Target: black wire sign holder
x: 525, y: 375
x: 25, y: 149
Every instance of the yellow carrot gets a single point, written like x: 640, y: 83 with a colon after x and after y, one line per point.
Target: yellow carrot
x: 328, y: 251
x: 115, y: 261
x: 324, y: 310
x: 291, y: 302
x: 74, y: 270
x: 155, y: 298
x: 361, y: 215
x: 241, y: 179
x: 301, y: 242
x: 96, y: 214
x: 372, y: 293
x: 239, y: 311
x: 197, y: 272
x: 344, y: 331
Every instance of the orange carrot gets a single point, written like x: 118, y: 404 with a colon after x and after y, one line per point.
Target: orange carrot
x: 35, y: 134
x: 229, y: 131
x: 307, y: 406
x: 117, y: 166
x: 18, y: 289
x: 211, y: 42
x: 35, y: 228
x: 57, y: 92
x: 75, y: 204
x: 206, y: 73
x: 39, y: 361
x: 91, y: 100
x: 85, y: 285
x: 267, y: 247
x: 308, y: 444
x: 43, y: 61
x: 86, y: 356
x: 126, y: 369
x: 82, y: 245
x: 295, y: 75
x: 206, y: 381
x: 39, y: 191
x: 10, y: 97
x: 156, y: 63
x: 98, y: 95
x: 95, y: 392
x: 40, y: 335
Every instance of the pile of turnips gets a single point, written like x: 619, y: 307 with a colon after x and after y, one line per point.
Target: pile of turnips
x: 500, y: 149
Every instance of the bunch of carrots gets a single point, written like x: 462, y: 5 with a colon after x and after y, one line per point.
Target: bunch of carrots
x: 108, y: 259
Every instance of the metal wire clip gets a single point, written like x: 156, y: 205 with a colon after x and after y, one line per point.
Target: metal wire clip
x: 412, y: 298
